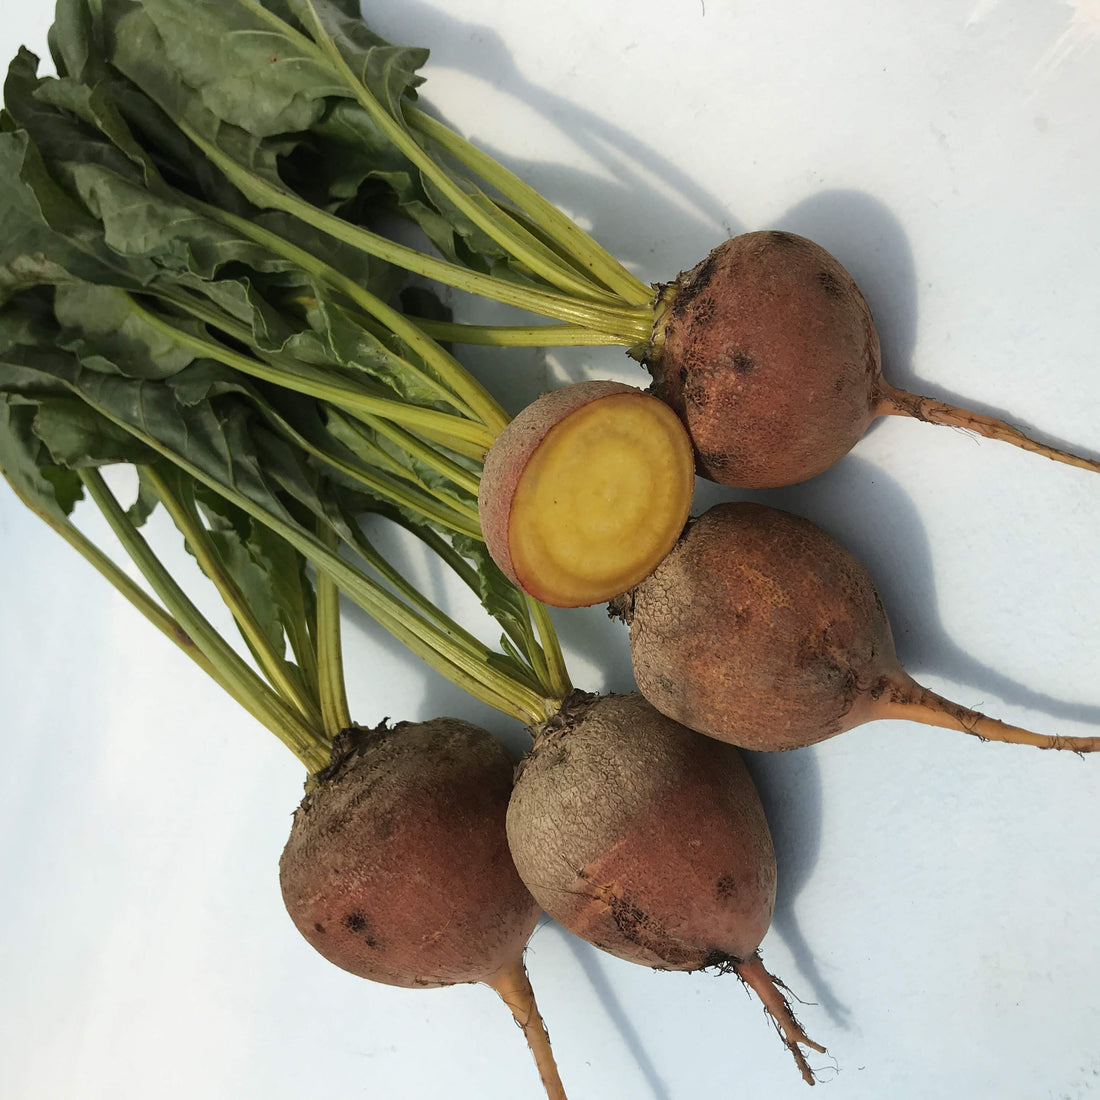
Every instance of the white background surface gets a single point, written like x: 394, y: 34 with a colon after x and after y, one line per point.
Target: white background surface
x: 938, y: 897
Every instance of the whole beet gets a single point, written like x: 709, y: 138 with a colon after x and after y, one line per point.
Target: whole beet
x: 398, y: 870
x: 768, y: 353
x: 397, y: 867
x: 649, y: 842
x: 761, y: 630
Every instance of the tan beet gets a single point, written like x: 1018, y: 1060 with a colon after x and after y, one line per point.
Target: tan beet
x: 761, y: 630
x: 768, y: 353
x: 398, y: 870
x: 649, y: 842
x: 585, y: 491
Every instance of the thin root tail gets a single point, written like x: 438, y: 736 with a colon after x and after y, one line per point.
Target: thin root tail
x: 770, y: 991
x: 895, y: 402
x: 514, y: 988
x: 902, y: 697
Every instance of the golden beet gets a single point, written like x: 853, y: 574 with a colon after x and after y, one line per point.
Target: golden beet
x: 768, y: 353
x: 585, y: 492
x: 398, y: 870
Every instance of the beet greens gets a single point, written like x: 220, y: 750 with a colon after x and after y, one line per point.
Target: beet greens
x: 264, y: 521
x: 263, y: 392
x: 304, y: 111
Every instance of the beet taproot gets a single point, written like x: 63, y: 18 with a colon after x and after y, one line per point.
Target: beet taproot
x: 761, y: 630
x: 398, y: 868
x: 767, y: 351
x: 650, y: 842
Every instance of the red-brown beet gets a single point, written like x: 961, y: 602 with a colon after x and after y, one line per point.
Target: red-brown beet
x: 761, y: 630
x: 398, y: 870
x: 650, y: 842
x: 770, y: 357
x: 768, y: 353
x: 397, y: 867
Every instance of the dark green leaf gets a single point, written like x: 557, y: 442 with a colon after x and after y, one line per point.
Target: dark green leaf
x: 388, y: 72
x: 77, y: 436
x: 140, y: 52
x: 45, y: 237
x: 146, y: 502
x: 28, y: 468
x: 266, y: 570
x: 247, y: 69
x: 73, y: 47
x: 70, y: 122
x: 105, y: 330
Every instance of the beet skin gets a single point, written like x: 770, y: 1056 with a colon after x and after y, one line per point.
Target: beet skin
x: 768, y: 353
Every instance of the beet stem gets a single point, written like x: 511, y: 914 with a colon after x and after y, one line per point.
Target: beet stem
x: 895, y: 402
x: 904, y: 698
x: 767, y: 987
x: 514, y: 988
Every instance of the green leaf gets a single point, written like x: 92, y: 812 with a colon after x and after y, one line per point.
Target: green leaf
x: 351, y: 345
x: 375, y: 450
x: 27, y: 319
x: 45, y: 237
x: 77, y: 436
x: 103, y: 244
x: 246, y: 70
x: 146, y: 502
x: 105, y: 331
x: 178, y: 160
x: 26, y: 464
x: 219, y: 432
x: 243, y: 81
x: 140, y: 52
x: 139, y: 222
x: 388, y: 72
x: 270, y: 573
x: 70, y: 122
x: 223, y: 443
x: 500, y: 598
x: 345, y: 148
x: 72, y: 46
x: 381, y: 278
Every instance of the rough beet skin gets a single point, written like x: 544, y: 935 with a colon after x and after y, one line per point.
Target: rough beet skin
x: 768, y: 353
x: 759, y: 629
x: 650, y: 842
x: 599, y: 824
x: 397, y: 868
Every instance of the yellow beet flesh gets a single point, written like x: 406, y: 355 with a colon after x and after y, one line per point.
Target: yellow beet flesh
x: 602, y: 499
